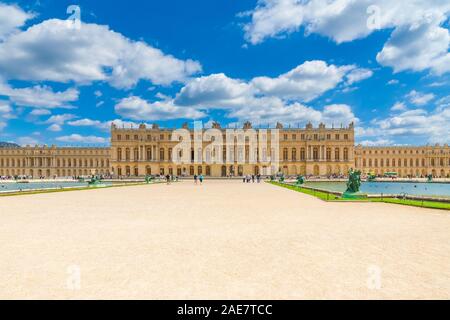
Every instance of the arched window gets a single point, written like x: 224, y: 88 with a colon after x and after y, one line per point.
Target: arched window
x: 302, y: 154
x: 294, y: 154
x: 328, y: 154
x: 316, y: 154
x: 119, y: 156
x: 285, y: 154
x: 346, y: 154
x: 337, y: 154
x: 127, y: 154
x: 149, y: 154
x: 161, y: 154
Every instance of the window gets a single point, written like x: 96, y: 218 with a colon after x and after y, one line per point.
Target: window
x: 285, y: 154
x: 346, y: 154
x: 337, y: 154
x: 328, y: 154
x: 337, y: 137
x: 294, y: 154
x: 161, y: 154
x: 302, y: 154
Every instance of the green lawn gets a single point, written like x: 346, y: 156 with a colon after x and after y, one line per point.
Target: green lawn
x: 331, y: 197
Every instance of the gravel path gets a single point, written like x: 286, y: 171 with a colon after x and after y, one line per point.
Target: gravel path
x: 222, y: 240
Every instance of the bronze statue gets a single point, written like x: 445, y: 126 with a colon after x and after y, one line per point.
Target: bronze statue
x: 300, y: 181
x: 354, y: 181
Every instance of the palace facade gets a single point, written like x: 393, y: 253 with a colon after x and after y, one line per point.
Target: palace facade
x: 308, y: 151
x: 406, y: 161
x: 137, y: 152
x: 52, y: 162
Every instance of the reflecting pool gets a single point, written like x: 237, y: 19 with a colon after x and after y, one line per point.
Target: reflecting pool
x: 411, y: 188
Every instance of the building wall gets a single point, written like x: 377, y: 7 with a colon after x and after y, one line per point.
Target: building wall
x: 308, y: 151
x: 54, y: 162
x: 406, y: 161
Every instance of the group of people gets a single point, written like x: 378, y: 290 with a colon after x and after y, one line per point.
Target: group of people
x: 198, y: 179
x: 252, y: 178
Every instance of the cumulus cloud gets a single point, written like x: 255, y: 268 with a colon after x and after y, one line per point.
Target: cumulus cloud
x: 376, y: 143
x: 52, y: 51
x: 399, y: 106
x: 60, y: 119
x: 6, y: 111
x: 405, y: 50
x: 418, y: 98
x: 303, y: 83
x: 84, y: 123
x: 24, y: 141
x: 136, y: 108
x: 306, y: 82
x: 419, y: 124
x: 54, y: 128
x: 39, y: 96
x: 214, y: 90
x: 11, y: 19
x: 414, y: 23
x: 79, y: 139
x: 358, y: 74
x: 40, y: 112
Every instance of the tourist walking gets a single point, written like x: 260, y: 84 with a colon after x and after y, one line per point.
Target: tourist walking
x: 195, y: 179
x: 201, y: 179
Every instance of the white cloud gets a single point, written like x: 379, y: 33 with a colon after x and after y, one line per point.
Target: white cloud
x: 338, y: 114
x: 40, y: 112
x: 77, y: 138
x: 348, y: 20
x: 11, y: 18
x: 216, y: 90
x: 39, y: 96
x: 419, y: 124
x: 84, y: 123
x: 3, y: 125
x: 377, y: 143
x: 273, y: 110
x: 405, y: 50
x: 418, y: 98
x: 393, y: 82
x: 6, y: 111
x: 358, y: 74
x: 23, y: 141
x: 52, y: 51
x: 54, y: 128
x: 271, y: 18
x: 399, y: 106
x: 136, y: 108
x: 305, y: 83
x: 60, y: 119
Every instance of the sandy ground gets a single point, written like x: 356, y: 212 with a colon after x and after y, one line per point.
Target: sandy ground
x: 222, y: 240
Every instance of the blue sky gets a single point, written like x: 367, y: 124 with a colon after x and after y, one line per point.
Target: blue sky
x: 384, y: 65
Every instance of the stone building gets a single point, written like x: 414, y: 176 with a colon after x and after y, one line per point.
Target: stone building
x: 49, y: 162
x: 408, y: 161
x: 218, y: 152
x: 307, y: 151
